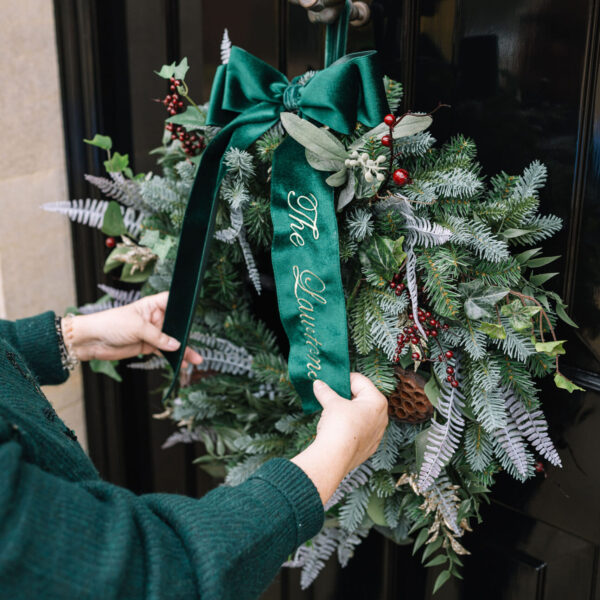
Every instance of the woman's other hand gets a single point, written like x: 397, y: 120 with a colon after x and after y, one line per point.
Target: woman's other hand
x: 124, y: 332
x: 348, y: 432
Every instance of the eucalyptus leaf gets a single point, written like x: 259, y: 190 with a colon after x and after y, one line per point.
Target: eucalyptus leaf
x: 541, y: 278
x: 325, y: 164
x: 346, y: 194
x: 542, y: 261
x: 409, y: 125
x: 317, y: 140
x: 337, y: 179
x: 566, y: 384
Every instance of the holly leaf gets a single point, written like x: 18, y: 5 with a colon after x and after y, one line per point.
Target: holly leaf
x: 562, y: 314
x: 326, y: 164
x: 112, y: 223
x: 107, y: 367
x: 553, y: 348
x: 191, y: 118
x: 566, y: 384
x: 493, y: 330
x: 100, y: 141
x: 174, y: 70
x: 316, y: 139
x: 481, y: 298
x: 117, y: 163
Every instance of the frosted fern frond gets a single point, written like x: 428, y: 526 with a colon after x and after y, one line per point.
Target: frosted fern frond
x: 88, y: 212
x: 533, y: 426
x: 225, y: 48
x: 483, y: 388
x: 123, y: 190
x: 133, y: 220
x: 354, y: 507
x: 245, y: 468
x: 122, y: 297
x: 443, y: 438
x: 313, y: 555
x: 183, y: 436
x: 233, y: 363
x: 511, y: 451
x: 443, y: 494
x: 356, y: 478
x: 218, y: 343
x: 396, y: 437
x: 250, y: 262
x: 411, y: 280
x: 156, y: 362
x: 348, y: 542
x: 230, y: 234
x: 479, y: 447
x: 360, y: 224
x: 239, y: 164
x: 424, y: 232
x: 478, y: 237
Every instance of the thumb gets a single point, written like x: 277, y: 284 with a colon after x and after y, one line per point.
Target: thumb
x: 155, y: 337
x: 324, y: 394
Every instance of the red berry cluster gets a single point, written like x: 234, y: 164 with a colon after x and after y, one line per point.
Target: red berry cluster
x: 397, y: 285
x: 192, y: 144
x: 173, y: 102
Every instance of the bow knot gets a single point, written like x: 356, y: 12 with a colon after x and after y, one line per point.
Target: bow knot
x: 292, y: 94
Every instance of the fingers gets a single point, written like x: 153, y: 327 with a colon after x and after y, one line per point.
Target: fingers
x: 191, y: 356
x: 359, y: 384
x: 153, y: 336
x: 324, y: 394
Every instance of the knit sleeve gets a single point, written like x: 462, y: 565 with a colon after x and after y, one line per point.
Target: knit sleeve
x: 94, y: 540
x: 37, y: 341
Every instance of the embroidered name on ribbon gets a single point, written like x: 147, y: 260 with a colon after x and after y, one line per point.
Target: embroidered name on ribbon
x: 306, y: 263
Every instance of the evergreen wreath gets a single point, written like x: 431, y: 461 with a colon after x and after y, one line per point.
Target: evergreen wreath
x: 446, y: 307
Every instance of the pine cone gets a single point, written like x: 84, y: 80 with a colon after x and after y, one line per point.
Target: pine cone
x: 408, y: 402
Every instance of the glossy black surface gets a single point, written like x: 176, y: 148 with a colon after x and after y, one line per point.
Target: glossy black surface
x: 522, y: 79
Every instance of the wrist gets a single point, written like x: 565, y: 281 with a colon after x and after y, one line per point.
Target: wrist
x: 77, y: 336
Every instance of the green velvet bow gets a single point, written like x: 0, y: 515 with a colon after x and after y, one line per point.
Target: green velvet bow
x: 247, y: 98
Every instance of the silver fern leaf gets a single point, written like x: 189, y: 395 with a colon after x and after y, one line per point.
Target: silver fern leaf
x: 533, y: 426
x: 126, y: 191
x: 424, y: 232
x: 86, y: 212
x: 510, y: 449
x: 225, y: 48
x: 356, y: 478
x: 121, y: 297
x: 443, y: 438
x: 230, y: 234
x: 250, y: 262
x: 156, y: 362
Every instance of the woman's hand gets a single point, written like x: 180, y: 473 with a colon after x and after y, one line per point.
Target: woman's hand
x: 124, y: 332
x: 348, y: 432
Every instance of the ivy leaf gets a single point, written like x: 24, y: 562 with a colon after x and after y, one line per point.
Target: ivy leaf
x: 174, y: 70
x: 379, y: 257
x: 552, y: 348
x: 493, y: 330
x: 316, y: 139
x: 480, y: 298
x: 107, y: 367
x: 112, y: 262
x: 566, y: 384
x: 409, y: 125
x: 191, y: 118
x: 325, y: 164
x: 562, y: 314
x: 117, y: 163
x: 399, y: 254
x: 100, y: 141
x: 520, y: 315
x: 112, y: 223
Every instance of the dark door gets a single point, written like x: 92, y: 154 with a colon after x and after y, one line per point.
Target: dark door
x: 522, y: 77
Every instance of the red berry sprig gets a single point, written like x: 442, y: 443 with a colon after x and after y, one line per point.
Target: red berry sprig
x: 110, y: 242
x: 401, y: 177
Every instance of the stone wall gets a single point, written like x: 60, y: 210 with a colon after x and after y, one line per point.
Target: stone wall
x: 36, y: 264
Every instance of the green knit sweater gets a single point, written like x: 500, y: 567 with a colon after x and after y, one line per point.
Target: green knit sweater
x: 65, y: 533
